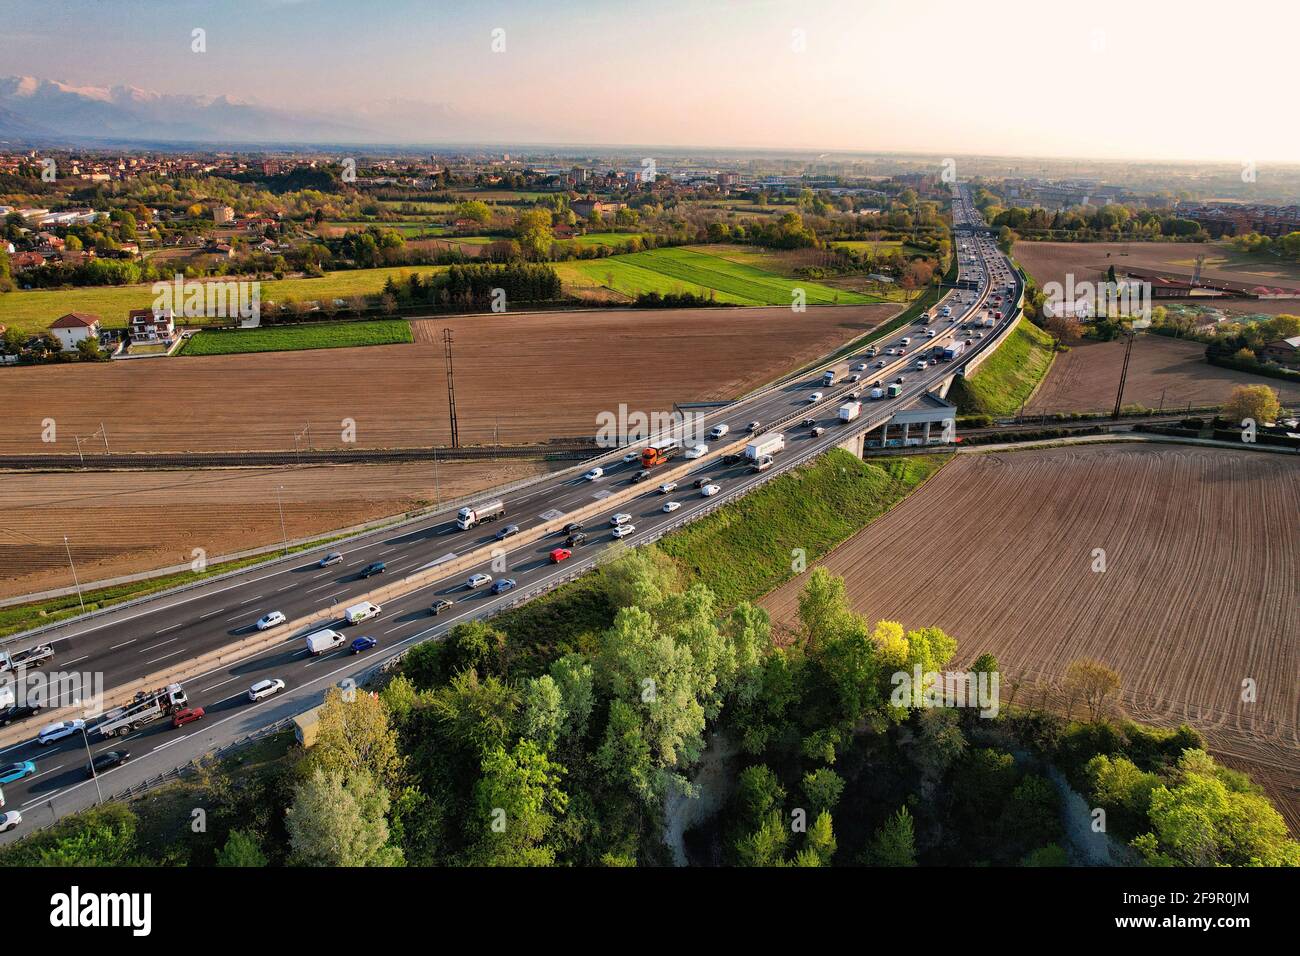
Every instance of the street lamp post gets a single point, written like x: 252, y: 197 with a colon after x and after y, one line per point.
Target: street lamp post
x: 73, y: 565
x: 93, y: 773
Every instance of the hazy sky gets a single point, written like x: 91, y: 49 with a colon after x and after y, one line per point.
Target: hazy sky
x: 1116, y: 78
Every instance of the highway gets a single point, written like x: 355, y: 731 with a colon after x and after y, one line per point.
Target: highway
x: 158, y: 634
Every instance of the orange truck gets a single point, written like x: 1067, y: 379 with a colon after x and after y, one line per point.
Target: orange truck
x: 660, y: 452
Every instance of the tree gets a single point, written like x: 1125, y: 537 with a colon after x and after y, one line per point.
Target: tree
x: 516, y: 801
x: 88, y: 348
x: 1092, y: 681
x: 823, y: 607
x: 535, y: 234
x: 766, y: 845
x: 335, y: 821
x: 544, y: 715
x: 1256, y: 402
x: 1065, y: 330
x: 821, y: 838
x: 822, y: 788
x: 242, y: 850
x: 353, y: 735
x: 474, y: 209
x: 895, y: 842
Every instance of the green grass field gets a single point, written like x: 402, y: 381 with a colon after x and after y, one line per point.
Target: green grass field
x: 687, y: 270
x: 1009, y: 376
x: 862, y: 245
x: 33, y: 311
x: 612, y: 239
x: 331, y: 335
x: 405, y: 229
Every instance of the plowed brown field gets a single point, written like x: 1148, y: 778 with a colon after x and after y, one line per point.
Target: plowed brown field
x: 1174, y: 371
x: 1201, y: 589
x: 122, y: 522
x: 522, y: 378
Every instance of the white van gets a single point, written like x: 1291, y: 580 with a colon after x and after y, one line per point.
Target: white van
x: 717, y: 431
x: 362, y: 612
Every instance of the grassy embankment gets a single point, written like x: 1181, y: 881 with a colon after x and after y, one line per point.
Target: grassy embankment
x: 1009, y: 376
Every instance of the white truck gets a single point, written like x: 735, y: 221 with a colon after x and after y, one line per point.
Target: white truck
x: 32, y: 657
x: 849, y: 411
x: 768, y: 444
x: 147, y: 707
x: 828, y: 378
x: 877, y: 393
x: 468, y: 518
x: 323, y: 641
x: 717, y: 431
x: 361, y: 612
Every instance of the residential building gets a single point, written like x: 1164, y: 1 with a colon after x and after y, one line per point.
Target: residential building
x: 1283, y: 351
x: 72, y: 328
x: 222, y: 214
x: 149, y: 327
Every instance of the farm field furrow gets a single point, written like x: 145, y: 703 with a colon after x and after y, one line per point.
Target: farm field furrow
x: 1201, y: 588
x: 520, y: 379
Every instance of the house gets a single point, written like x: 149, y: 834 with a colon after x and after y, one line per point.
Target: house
x: 150, y: 326
x: 72, y: 328
x: 49, y: 242
x: 222, y: 214
x: 1283, y: 351
x: 584, y: 208
x: 26, y: 260
x: 222, y: 249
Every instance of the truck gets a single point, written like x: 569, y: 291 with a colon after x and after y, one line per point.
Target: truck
x: 895, y: 390
x: 955, y: 350
x: 828, y: 377
x: 660, y: 452
x: 361, y: 612
x: 323, y: 641
x: 877, y: 393
x: 148, y: 706
x: 717, y: 431
x: 32, y: 657
x: 765, y: 445
x: 850, y: 411
x: 468, y: 518
x: 989, y: 322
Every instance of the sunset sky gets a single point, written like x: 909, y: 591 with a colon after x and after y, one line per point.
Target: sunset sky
x: 1200, y: 80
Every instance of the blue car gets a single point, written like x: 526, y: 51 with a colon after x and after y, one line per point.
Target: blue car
x: 16, y: 771
x: 502, y: 585
x: 363, y: 644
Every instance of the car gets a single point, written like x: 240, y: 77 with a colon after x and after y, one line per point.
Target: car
x: 107, y: 761
x: 478, y: 580
x: 891, y: 351
x: 667, y: 487
x: 438, y: 606
x: 899, y: 380
x: 671, y: 506
x: 814, y: 397
x: 509, y: 531
x: 188, y: 716
x: 575, y: 539
x: 620, y: 518
x: 9, y: 820
x: 817, y: 432
x: 860, y: 367
x: 979, y: 335
x: 57, y: 731
x: 733, y: 459
x: 594, y: 474
x: 17, y: 712
x: 641, y: 475
x: 362, y: 644
x: 270, y: 620
x: 755, y: 426
x: 373, y: 568
x: 708, y: 491
x: 560, y: 554
x: 880, y: 364
x: 631, y: 457
x: 702, y: 481
x: 697, y: 451
x: 502, y: 585
x: 334, y: 557
x: 14, y: 772
x: 265, y: 688
x: 855, y: 378
x: 808, y: 423
x: 573, y: 527
x: 623, y: 530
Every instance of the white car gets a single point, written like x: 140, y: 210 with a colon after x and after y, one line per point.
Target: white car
x: 623, y: 530
x: 667, y: 487
x: 860, y: 367
x: 57, y: 731
x: 478, y: 580
x: 631, y: 456
x: 265, y: 688
x: 10, y: 820
x: 594, y: 474
x: 268, y: 621
x: 620, y: 519
x: 814, y: 397
x: 671, y: 506
x: 697, y: 451
x: 708, y: 491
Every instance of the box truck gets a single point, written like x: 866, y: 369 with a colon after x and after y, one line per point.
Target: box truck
x: 768, y: 444
x: 468, y: 518
x: 895, y: 390
x: 877, y: 393
x: 850, y: 410
x: 954, y: 351
x: 323, y: 641
x: 362, y: 612
x: 32, y: 657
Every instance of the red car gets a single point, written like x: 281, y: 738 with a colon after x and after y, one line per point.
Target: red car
x: 187, y: 716
x: 560, y: 554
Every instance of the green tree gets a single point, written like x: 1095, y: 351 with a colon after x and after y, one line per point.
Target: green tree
x: 353, y: 735
x: 241, y: 849
x: 895, y: 842
x: 1257, y: 402
x: 474, y: 209
x: 543, y: 715
x: 822, y: 788
x: 338, y: 822
x: 516, y: 802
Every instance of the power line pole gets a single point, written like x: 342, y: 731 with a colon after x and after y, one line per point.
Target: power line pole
x: 72, y: 565
x: 1123, y: 374
x: 451, y: 389
x: 284, y: 534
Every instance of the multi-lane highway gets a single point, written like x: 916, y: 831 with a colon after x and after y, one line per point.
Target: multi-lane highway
x: 157, y: 635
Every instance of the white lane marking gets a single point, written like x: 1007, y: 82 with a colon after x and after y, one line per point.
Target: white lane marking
x: 318, y: 587
x: 123, y: 644
x: 165, y: 656
x: 216, y: 685
x: 170, y: 628
x: 75, y: 660
x: 154, y: 647
x: 236, y: 617
x: 285, y: 588
x: 380, y: 554
x: 210, y: 613
x: 251, y: 600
